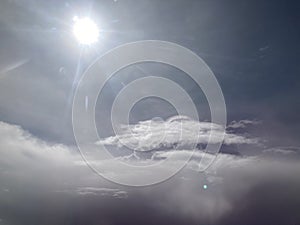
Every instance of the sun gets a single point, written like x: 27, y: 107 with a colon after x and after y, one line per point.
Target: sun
x: 85, y: 30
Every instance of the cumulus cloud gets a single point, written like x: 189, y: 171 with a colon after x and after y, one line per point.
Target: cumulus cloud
x: 178, y: 131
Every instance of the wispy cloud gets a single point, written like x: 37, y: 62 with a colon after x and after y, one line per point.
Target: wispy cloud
x: 12, y: 67
x: 242, y: 123
x: 97, y: 191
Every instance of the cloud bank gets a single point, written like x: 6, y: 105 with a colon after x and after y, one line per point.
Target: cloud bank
x: 42, y: 183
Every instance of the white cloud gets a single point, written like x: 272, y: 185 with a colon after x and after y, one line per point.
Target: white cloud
x: 242, y: 123
x: 179, y: 131
x: 21, y: 150
x: 40, y: 166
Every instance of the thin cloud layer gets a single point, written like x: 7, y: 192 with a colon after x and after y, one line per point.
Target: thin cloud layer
x: 97, y: 191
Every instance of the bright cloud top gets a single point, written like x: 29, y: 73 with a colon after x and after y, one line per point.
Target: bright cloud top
x: 178, y: 131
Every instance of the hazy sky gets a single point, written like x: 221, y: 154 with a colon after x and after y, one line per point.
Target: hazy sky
x: 252, y: 47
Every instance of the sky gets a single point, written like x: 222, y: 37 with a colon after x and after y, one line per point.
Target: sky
x: 252, y: 48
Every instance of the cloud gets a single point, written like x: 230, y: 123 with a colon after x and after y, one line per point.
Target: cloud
x: 282, y: 151
x: 116, y: 193
x: 41, y: 165
x: 47, y: 182
x: 21, y: 150
x: 237, y: 187
x: 97, y: 191
x: 13, y: 66
x: 242, y: 123
x: 178, y: 131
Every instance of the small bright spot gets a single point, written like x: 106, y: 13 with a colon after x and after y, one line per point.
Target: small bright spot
x: 85, y: 30
x: 205, y: 186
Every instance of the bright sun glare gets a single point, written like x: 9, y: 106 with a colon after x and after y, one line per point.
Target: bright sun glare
x: 85, y: 30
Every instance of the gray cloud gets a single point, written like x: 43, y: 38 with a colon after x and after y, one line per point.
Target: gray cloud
x: 97, y: 191
x: 51, y: 173
x: 242, y: 123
